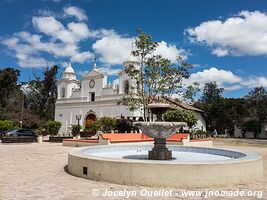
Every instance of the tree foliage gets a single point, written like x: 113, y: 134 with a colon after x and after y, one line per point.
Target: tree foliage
x: 53, y: 127
x: 251, y: 126
x: 211, y: 93
x: 190, y: 92
x: 257, y: 100
x: 124, y: 125
x: 6, y: 125
x: 106, y: 124
x: 221, y: 113
x: 75, y: 129
x: 42, y: 94
x: 178, y: 115
x: 156, y: 77
x: 8, y: 82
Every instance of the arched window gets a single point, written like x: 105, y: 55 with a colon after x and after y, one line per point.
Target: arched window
x: 63, y: 92
x: 126, y: 87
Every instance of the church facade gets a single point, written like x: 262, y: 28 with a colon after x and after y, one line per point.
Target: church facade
x: 82, y: 101
x: 91, y: 98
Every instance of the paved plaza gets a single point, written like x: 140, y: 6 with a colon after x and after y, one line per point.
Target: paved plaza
x: 38, y: 171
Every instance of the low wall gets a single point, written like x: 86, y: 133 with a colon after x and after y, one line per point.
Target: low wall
x: 18, y: 140
x: 58, y: 139
x: 200, y: 143
x: 101, y: 141
x: 166, y: 174
x: 79, y: 143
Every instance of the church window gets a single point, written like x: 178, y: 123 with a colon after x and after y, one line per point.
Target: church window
x: 92, y: 96
x: 63, y: 92
x: 126, y: 87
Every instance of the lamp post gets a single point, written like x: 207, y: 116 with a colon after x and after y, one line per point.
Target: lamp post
x: 78, y: 118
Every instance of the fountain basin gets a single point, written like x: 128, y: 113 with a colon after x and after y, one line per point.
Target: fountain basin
x: 190, y: 167
x: 160, y: 129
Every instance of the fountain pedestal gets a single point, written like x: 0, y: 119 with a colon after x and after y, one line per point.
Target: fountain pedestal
x: 159, y: 130
x: 159, y: 151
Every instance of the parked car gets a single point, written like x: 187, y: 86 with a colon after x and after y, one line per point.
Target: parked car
x: 21, y: 132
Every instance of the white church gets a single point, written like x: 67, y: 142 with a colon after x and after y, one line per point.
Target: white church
x: 93, y: 97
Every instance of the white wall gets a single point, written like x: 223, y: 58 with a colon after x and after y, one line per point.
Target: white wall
x: 201, y: 122
x: 66, y: 114
x: 238, y: 133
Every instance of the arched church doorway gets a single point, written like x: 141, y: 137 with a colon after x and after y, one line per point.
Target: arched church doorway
x: 90, y: 119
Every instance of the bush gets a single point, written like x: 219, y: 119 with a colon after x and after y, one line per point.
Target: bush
x: 40, y: 131
x: 53, y: 127
x: 92, y: 126
x: 124, y: 125
x: 106, y: 124
x: 6, y: 125
x: 75, y: 129
x: 200, y: 132
x: 30, y: 124
x: 251, y: 126
x: 187, y: 116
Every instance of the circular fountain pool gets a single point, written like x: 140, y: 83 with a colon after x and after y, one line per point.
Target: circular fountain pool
x: 190, y: 167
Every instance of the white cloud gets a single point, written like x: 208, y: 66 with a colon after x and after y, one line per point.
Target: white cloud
x: 26, y: 60
x: 81, y: 73
x: 226, y: 79
x: 47, y: 25
x: 110, y: 70
x: 26, y: 45
x: 74, y: 33
x: 255, y: 81
x: 169, y: 51
x: 213, y: 74
x: 64, y: 64
x: 242, y: 34
x: 105, y: 69
x: 76, y: 12
x: 82, y: 57
x: 59, y: 41
x: 113, y: 48
x: 220, y: 52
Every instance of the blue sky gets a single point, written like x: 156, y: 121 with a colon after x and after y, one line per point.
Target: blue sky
x: 225, y: 40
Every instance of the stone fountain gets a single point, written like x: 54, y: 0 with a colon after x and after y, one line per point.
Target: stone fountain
x: 159, y: 130
x: 128, y: 164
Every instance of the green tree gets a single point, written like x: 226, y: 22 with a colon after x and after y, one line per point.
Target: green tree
x: 42, y: 94
x: 106, y: 124
x: 75, y: 129
x: 211, y: 101
x: 211, y: 93
x: 252, y: 126
x: 257, y: 100
x: 190, y: 92
x: 178, y: 115
x: 124, y: 125
x: 157, y: 76
x: 53, y: 127
x: 8, y: 82
x: 6, y: 125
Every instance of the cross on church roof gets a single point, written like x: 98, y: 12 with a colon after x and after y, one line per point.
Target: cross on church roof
x: 95, y: 63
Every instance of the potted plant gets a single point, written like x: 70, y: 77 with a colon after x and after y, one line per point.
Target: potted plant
x: 75, y: 130
x: 40, y: 132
